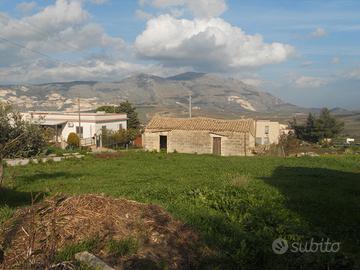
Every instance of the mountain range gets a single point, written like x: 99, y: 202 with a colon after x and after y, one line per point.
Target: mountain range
x: 210, y: 93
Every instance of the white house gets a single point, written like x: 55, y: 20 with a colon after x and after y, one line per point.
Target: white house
x: 269, y: 132
x: 87, y: 126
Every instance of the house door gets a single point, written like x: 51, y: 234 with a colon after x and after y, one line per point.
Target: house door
x: 163, y: 143
x: 217, y: 146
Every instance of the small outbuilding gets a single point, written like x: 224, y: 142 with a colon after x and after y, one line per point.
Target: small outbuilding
x: 200, y: 135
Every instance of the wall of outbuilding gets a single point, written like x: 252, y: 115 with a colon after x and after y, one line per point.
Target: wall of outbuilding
x: 200, y: 142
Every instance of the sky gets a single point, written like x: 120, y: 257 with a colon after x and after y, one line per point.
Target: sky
x: 306, y: 52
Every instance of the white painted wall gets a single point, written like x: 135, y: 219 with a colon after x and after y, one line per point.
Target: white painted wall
x: 267, y: 132
x: 91, y: 123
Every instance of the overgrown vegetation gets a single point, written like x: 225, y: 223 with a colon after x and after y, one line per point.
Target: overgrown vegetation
x: 238, y: 204
x: 18, y: 138
x: 121, y: 138
x: 124, y: 107
x: 317, y: 129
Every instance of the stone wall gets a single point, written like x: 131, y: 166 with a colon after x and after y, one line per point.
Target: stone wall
x: 200, y: 142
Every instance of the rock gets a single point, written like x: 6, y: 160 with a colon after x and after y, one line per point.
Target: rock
x: 56, y: 159
x: 312, y: 154
x: 92, y: 261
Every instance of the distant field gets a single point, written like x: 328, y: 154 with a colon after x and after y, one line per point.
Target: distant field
x: 238, y: 204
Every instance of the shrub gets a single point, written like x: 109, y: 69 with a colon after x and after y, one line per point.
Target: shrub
x: 73, y: 140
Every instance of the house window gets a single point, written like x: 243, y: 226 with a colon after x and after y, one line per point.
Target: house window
x: 258, y: 141
x: 266, y: 129
x: 266, y: 140
x: 120, y: 127
x: 81, y: 131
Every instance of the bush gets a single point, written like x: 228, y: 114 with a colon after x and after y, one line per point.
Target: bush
x: 73, y: 140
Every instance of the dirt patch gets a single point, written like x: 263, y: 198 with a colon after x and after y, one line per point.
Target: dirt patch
x: 140, y: 236
x: 108, y: 155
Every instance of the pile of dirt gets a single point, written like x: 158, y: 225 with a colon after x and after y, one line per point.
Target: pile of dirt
x: 36, y: 235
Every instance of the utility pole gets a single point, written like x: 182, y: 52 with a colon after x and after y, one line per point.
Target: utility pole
x: 80, y: 134
x: 190, y: 106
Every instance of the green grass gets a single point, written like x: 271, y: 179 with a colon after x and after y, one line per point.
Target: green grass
x: 238, y: 204
x: 69, y: 251
x: 123, y: 247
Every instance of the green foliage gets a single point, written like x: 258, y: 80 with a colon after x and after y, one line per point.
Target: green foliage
x: 118, y: 138
x: 18, y: 138
x: 239, y: 205
x: 318, y: 129
x: 69, y: 251
x: 73, y: 140
x: 5, y: 213
x: 124, y: 107
x: 123, y: 247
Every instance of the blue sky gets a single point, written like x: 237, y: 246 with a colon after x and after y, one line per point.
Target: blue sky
x: 305, y: 51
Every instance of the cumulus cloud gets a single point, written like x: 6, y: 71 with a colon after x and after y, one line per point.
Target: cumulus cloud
x: 209, y: 44
x: 62, y: 27
x: 310, y: 82
x: 199, y: 8
x: 26, y: 7
x: 97, y: 68
x: 318, y: 33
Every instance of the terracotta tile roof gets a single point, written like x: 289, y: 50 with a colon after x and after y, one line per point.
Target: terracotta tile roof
x: 200, y: 123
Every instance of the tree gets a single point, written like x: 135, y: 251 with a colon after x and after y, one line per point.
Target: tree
x: 129, y: 109
x: 18, y: 138
x: 73, y: 140
x: 328, y: 126
x: 310, y: 130
x: 107, y: 109
x: 317, y: 129
x: 124, y: 107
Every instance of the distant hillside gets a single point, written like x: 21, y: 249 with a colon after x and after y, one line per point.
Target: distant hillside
x: 210, y: 93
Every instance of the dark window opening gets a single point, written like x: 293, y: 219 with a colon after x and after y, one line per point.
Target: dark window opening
x: 163, y: 142
x: 81, y: 131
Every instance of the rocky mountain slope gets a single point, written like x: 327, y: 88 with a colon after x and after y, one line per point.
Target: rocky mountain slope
x: 209, y: 93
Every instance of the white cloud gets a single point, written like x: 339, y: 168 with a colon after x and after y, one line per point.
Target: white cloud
x: 142, y: 15
x: 336, y: 60
x: 199, y: 8
x: 210, y: 44
x: 310, y: 82
x: 354, y: 74
x: 26, y: 7
x: 62, y: 27
x: 318, y: 33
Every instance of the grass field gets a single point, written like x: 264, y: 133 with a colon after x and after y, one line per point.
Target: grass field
x: 238, y: 204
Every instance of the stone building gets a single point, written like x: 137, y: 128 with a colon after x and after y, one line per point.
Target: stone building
x: 201, y: 136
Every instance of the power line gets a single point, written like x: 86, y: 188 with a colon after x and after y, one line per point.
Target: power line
x: 24, y: 47
x: 43, y: 33
x: 42, y: 54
